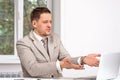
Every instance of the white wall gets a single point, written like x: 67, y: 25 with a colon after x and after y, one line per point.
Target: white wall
x: 89, y: 26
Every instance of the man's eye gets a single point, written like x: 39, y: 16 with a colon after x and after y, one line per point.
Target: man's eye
x: 50, y: 21
x: 45, y: 22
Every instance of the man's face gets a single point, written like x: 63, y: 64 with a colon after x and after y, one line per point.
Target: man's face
x: 43, y: 26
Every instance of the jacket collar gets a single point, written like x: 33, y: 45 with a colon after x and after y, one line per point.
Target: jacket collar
x: 39, y: 46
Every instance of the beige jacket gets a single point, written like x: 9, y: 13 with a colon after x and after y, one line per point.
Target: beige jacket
x: 34, y: 59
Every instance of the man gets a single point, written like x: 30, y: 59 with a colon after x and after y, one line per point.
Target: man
x: 41, y: 52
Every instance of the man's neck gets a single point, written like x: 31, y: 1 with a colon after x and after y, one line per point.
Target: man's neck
x: 39, y: 34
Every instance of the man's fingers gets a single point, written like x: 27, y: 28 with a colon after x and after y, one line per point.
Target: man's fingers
x: 96, y: 64
x: 98, y: 55
x: 74, y: 66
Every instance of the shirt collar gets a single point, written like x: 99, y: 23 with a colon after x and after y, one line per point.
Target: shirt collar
x: 37, y: 36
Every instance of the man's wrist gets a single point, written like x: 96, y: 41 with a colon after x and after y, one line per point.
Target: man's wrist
x: 82, y: 60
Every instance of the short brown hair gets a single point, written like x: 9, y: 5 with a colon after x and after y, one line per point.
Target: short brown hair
x: 35, y: 14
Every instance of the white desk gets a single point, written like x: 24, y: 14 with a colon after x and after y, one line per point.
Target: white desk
x: 46, y: 79
x: 62, y: 78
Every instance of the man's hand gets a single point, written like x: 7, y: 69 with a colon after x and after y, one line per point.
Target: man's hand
x: 91, y: 60
x: 66, y: 63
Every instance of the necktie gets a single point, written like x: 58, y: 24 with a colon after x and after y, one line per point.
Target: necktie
x: 45, y: 44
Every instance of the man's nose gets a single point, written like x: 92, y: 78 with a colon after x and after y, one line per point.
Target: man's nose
x: 49, y: 24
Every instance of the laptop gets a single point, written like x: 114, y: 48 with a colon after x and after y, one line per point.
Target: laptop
x: 109, y: 66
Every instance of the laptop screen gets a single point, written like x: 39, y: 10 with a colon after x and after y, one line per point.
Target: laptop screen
x: 109, y: 66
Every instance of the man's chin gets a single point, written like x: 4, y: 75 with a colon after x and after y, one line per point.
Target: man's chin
x: 48, y: 34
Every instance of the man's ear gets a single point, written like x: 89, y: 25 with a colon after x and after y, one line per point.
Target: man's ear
x: 34, y: 23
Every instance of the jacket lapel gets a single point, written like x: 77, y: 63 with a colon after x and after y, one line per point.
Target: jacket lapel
x: 39, y: 46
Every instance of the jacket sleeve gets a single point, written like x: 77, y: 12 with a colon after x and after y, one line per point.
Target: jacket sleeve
x: 64, y: 53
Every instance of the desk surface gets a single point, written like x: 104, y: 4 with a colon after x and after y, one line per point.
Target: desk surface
x: 48, y: 78
x: 62, y: 78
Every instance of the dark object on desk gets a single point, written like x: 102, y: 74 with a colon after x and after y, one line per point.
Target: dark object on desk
x: 84, y: 79
x: 81, y: 78
x: 68, y: 79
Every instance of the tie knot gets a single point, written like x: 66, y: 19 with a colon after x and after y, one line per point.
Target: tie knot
x: 44, y: 41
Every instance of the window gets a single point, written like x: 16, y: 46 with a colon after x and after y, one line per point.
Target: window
x: 6, y: 27
x: 14, y: 24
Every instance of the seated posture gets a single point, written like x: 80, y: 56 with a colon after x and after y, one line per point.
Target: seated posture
x: 41, y: 52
